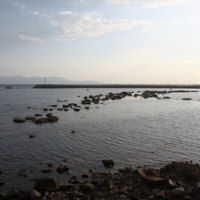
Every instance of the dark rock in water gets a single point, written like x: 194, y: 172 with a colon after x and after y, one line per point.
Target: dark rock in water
x: 108, y: 163
x: 91, y: 170
x: 50, y: 109
x: 19, y: 120
x: 85, y: 175
x: 87, y: 187
x: 30, y: 118
x: 49, y: 114
x: 186, y: 99
x: 45, y: 109
x: 62, y: 168
x: 153, y: 180
x: 73, y: 131
x: 87, y: 108
x: 54, y: 105
x: 50, y: 164
x: 60, y: 109
x: 31, y: 136
x: 45, y: 170
x: 46, y: 120
x: 76, y: 109
x: 45, y: 184
x: 1, y: 172
x: 24, y: 175
x: 66, y: 109
x: 38, y: 115
x: 2, y: 183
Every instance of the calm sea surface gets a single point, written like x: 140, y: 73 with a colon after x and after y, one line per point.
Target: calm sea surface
x: 131, y: 131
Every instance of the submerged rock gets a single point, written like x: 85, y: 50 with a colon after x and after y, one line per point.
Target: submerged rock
x: 19, y: 120
x: 62, y: 168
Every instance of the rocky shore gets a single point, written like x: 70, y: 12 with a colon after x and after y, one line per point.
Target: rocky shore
x: 54, y: 86
x: 177, y: 181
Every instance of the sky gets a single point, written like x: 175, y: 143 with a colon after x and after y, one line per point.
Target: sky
x: 111, y: 41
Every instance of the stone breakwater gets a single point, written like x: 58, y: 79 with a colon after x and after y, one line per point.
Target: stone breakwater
x: 53, y: 86
x: 177, y: 181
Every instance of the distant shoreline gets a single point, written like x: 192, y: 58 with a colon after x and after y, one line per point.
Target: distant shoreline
x: 55, y: 86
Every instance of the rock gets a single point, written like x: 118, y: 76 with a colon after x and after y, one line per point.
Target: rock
x: 106, y: 184
x: 78, y: 194
x: 73, y: 131
x: 46, y: 183
x: 31, y: 136
x: 177, y: 192
x: 108, y: 163
x: 153, y: 180
x: 30, y: 118
x: 50, y: 164
x: 2, y: 196
x: 87, y: 187
x: 19, y: 120
x: 152, y: 172
x: 85, y: 175
x: 45, y: 109
x: 65, y: 186
x: 60, y: 109
x: 46, y: 193
x: 96, y: 177
x: 38, y: 115
x: 2, y: 183
x: 91, y: 170
x: 49, y: 114
x: 196, y: 189
x: 160, y: 194
x: 54, y: 105
x: 12, y: 193
x: 134, y: 197
x: 139, y: 172
x: 186, y: 99
x: 45, y: 170
x: 1, y: 172
x: 62, y: 168
x: 35, y: 194
x: 171, y: 183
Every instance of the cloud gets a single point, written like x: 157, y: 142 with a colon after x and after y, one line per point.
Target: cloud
x: 32, y: 39
x: 91, y: 24
x: 21, y: 5
x: 151, y: 3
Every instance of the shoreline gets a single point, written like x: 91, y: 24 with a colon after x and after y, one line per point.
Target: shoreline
x: 177, y: 180
x: 54, y: 86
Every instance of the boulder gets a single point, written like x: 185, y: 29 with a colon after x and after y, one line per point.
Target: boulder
x: 62, y: 168
x: 108, y: 163
x: 85, y: 175
x: 19, y: 120
x: 177, y: 192
x: 160, y: 194
x: 46, y: 183
x: 196, y: 189
x: 139, y: 172
x: 49, y: 114
x: 35, y: 194
x: 87, y: 187
x: 45, y: 109
x: 77, y: 194
x: 12, y: 194
x: 171, y: 183
x: 96, y: 177
x: 153, y: 180
x: 38, y: 115
x: 65, y: 186
x: 30, y: 118
x: 45, y: 170
x: 50, y: 164
x: 31, y: 136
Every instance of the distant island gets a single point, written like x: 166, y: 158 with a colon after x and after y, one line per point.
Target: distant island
x: 41, y: 80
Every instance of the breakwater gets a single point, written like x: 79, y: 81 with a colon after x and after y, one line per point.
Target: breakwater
x: 54, y: 86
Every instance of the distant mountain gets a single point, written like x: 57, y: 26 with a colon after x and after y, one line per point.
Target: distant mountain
x: 41, y: 80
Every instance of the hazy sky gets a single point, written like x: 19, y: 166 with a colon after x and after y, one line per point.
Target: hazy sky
x: 112, y: 41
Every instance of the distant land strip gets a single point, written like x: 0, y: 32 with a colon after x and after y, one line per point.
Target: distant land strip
x: 52, y: 86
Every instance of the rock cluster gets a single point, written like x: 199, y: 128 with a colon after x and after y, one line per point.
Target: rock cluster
x: 176, y: 181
